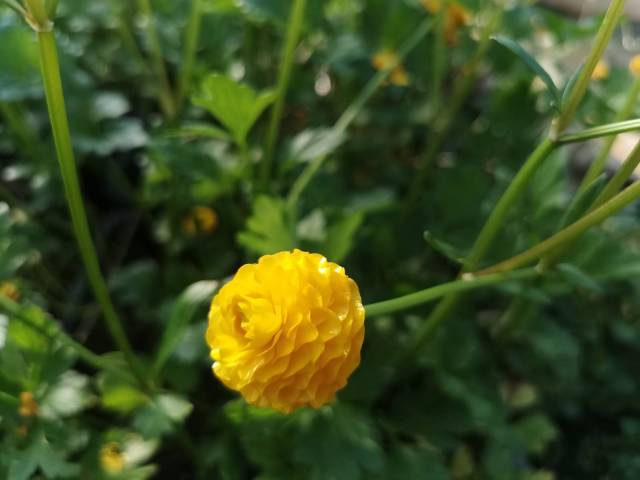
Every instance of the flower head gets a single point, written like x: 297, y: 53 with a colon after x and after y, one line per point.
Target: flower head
x: 634, y: 65
x: 287, y: 332
x: 388, y: 60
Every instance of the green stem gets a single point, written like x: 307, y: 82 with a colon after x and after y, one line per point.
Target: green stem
x: 439, y: 57
x: 609, y: 23
x: 600, y: 161
x: 613, y: 186
x: 62, y: 137
x: 38, y: 14
x: 610, y: 129
x: 190, y: 48
x: 165, y: 98
x: 296, y: 20
x: 352, y: 111
x: 597, y: 216
x: 443, y: 120
x: 497, y: 218
x: 466, y: 283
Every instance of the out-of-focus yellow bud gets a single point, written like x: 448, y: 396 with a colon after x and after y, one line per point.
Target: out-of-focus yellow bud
x: 457, y: 16
x: 287, y: 332
x: 388, y: 60
x: 634, y: 65
x: 111, y: 458
x: 28, y: 405
x: 200, y: 220
x: 601, y: 72
x: 10, y: 291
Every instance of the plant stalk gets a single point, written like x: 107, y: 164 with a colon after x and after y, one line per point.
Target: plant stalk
x: 466, y: 283
x: 609, y: 23
x: 60, y: 125
x: 165, y: 97
x: 294, y: 29
x: 190, y: 48
x: 573, y: 231
x: 598, y: 165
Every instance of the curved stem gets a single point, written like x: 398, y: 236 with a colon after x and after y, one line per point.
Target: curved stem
x: 597, y: 216
x: 600, y: 161
x: 609, y: 23
x: 62, y: 137
x: 469, y: 282
x: 190, y: 49
x: 165, y: 98
x: 352, y: 111
x: 294, y: 29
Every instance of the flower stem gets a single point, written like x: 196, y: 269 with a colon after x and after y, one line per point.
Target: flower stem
x: 433, y: 293
x: 609, y: 23
x: 597, y: 216
x: 600, y: 161
x: 296, y: 20
x: 439, y: 57
x: 60, y: 125
x: 165, y: 98
x: 608, y: 130
x: 190, y: 49
x: 352, y: 111
x: 444, y: 119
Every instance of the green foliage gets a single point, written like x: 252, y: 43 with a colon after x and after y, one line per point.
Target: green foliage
x: 531, y: 380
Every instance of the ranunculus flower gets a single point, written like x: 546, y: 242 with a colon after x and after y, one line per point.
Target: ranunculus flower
x: 287, y: 332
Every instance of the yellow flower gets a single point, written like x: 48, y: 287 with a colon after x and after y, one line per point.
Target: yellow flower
x: 287, y: 332
x: 10, y: 291
x: 111, y: 458
x: 388, y: 60
x: 634, y: 65
x: 457, y: 17
x: 28, y: 405
x: 601, y: 71
x: 200, y: 220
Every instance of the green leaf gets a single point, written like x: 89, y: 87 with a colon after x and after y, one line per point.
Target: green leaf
x: 532, y: 63
x: 341, y: 236
x: 199, y: 130
x: 161, y: 415
x: 536, y: 431
x: 277, y: 11
x: 69, y: 396
x: 445, y: 249
x: 573, y: 275
x: 121, y: 392
x: 19, y: 66
x: 311, y: 144
x: 181, y: 315
x: 235, y: 105
x: 268, y: 230
x: 568, y: 88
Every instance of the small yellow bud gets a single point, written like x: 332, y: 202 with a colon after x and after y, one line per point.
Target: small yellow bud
x: 200, y: 220
x: 634, y: 65
x: 457, y: 16
x: 10, y: 291
x: 388, y: 60
x: 28, y: 405
x: 601, y: 72
x: 111, y: 458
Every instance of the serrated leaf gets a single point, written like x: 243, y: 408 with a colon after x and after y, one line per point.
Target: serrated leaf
x: 532, y: 63
x: 235, y: 105
x: 69, y: 396
x: 268, y: 230
x: 161, y: 415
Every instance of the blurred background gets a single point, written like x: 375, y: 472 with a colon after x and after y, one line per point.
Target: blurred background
x: 527, y: 381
